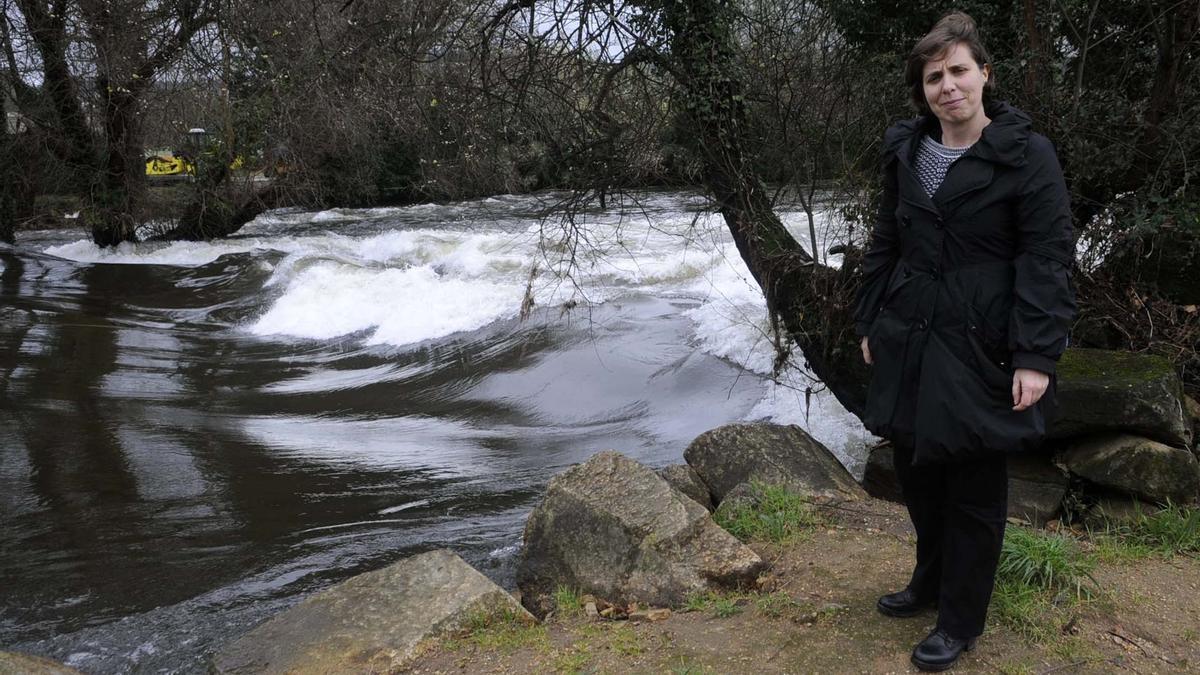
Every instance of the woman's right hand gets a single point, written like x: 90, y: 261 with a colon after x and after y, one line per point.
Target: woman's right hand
x: 866, y: 350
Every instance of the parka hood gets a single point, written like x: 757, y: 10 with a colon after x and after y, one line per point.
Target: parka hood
x: 1003, y: 141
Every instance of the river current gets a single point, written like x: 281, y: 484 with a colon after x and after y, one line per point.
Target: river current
x: 196, y: 435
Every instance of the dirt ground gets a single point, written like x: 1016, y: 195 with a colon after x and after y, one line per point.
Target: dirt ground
x: 816, y: 614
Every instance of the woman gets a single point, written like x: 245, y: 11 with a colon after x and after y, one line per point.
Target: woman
x: 963, y: 312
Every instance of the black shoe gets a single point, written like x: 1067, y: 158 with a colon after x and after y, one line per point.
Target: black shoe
x: 902, y: 604
x: 939, y: 651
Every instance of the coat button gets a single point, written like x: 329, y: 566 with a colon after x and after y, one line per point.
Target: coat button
x: 907, y: 220
x: 939, y: 223
x: 922, y: 324
x: 935, y: 274
x: 907, y: 273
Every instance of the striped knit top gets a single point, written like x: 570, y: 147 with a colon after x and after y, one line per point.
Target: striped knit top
x: 933, y: 160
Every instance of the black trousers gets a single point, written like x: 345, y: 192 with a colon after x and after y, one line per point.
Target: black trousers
x: 959, y: 512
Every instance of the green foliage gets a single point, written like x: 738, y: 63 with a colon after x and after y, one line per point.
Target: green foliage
x: 573, y: 659
x: 777, y: 605
x: 505, y: 631
x: 1025, y: 610
x: 1040, y: 578
x: 774, y: 513
x: 1172, y: 530
x: 725, y: 607
x: 698, y: 602
x: 567, y: 601
x: 721, y: 606
x: 1045, y: 562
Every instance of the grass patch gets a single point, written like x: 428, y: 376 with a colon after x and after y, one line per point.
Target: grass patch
x: 504, y: 631
x: 573, y: 659
x: 725, y: 607
x: 1040, y: 579
x: 699, y: 602
x: 1172, y: 530
x: 721, y: 606
x: 1116, y: 550
x: 774, y: 514
x: 567, y: 602
x: 777, y: 605
x: 626, y: 641
x: 1026, y: 611
x: 1049, y: 563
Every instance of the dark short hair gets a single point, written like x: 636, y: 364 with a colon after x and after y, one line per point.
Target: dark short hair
x: 952, y: 29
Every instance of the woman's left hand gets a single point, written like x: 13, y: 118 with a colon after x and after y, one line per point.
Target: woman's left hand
x: 1028, y: 387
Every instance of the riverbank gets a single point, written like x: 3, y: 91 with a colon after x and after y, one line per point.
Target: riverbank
x: 814, y: 612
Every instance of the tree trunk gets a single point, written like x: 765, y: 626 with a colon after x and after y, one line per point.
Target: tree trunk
x: 807, y: 297
x: 74, y: 142
x: 7, y: 178
x: 116, y: 198
x: 212, y: 215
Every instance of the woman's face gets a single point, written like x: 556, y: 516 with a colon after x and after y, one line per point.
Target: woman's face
x: 954, y: 86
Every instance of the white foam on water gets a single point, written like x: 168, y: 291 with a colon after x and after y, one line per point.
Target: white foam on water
x: 403, y: 507
x: 444, y: 447
x: 401, y: 306
x: 181, y: 254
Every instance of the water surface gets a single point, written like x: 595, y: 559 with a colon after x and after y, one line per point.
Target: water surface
x: 196, y: 435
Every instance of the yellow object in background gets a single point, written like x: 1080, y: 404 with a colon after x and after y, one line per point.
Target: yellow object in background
x: 168, y: 165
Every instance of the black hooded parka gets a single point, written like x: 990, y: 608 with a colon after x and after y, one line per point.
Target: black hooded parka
x: 962, y: 288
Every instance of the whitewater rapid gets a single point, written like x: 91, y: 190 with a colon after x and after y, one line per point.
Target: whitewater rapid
x: 399, y: 278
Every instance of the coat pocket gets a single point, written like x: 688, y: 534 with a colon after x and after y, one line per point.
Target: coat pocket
x: 989, y: 344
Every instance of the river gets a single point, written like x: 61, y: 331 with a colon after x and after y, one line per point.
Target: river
x: 196, y: 435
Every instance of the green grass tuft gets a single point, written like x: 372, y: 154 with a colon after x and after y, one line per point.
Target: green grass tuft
x: 723, y: 608
x: 1024, y: 610
x: 505, y: 630
x: 698, y: 602
x: 1040, y: 579
x: 1046, y: 562
x: 1171, y: 530
x: 775, y: 514
x: 567, y: 601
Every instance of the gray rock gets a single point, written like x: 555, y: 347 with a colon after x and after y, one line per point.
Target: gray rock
x: 12, y: 663
x: 1136, y: 466
x: 768, y: 453
x: 879, y: 478
x: 1110, y: 511
x: 685, y: 479
x: 372, y: 622
x: 1100, y: 390
x: 1036, y: 487
x: 614, y: 528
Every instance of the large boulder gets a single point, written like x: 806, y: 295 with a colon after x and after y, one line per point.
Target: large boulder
x: 1036, y: 487
x: 772, y: 454
x: 1135, y: 466
x: 373, y: 622
x: 615, y: 529
x: 1100, y: 390
x: 685, y: 479
x: 12, y: 663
